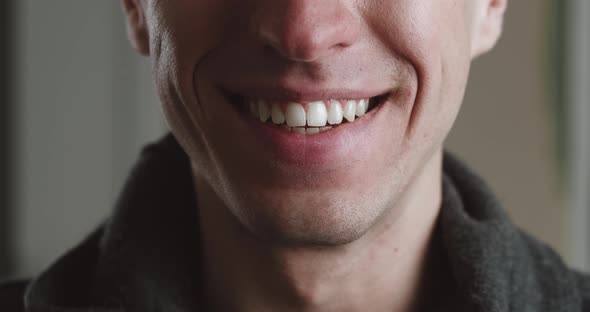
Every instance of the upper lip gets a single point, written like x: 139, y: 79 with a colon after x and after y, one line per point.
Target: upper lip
x: 303, y: 93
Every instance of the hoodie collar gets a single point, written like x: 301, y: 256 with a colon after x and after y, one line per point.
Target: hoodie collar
x: 146, y: 256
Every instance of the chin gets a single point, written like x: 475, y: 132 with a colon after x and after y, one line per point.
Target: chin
x: 309, y: 218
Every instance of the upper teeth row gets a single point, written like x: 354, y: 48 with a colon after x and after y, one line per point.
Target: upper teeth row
x: 318, y: 113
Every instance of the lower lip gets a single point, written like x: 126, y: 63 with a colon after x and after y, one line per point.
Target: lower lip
x: 319, y: 149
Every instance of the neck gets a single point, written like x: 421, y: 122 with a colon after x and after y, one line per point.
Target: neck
x: 386, y: 269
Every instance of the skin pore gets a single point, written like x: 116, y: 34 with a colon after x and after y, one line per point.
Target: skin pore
x: 339, y: 224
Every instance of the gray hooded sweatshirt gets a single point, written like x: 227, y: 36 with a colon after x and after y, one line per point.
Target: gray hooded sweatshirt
x: 143, y: 258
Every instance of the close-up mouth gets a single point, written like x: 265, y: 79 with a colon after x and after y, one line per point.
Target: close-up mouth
x: 305, y: 118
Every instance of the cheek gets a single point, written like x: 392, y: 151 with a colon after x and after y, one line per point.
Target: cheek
x: 182, y: 33
x: 433, y: 37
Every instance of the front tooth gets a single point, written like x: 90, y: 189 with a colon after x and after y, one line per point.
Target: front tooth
x: 322, y: 129
x: 350, y: 110
x: 278, y: 117
x: 317, y: 115
x: 298, y: 130
x: 335, y: 113
x: 312, y: 130
x: 263, y: 111
x: 295, y: 115
x: 361, y: 108
x: 253, y: 109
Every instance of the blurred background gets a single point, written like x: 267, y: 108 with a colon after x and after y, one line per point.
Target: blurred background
x: 77, y: 105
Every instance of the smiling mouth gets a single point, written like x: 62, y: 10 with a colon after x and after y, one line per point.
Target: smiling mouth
x: 306, y: 118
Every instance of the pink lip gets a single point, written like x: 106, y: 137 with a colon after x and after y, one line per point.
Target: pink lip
x: 304, y: 94
x: 312, y: 150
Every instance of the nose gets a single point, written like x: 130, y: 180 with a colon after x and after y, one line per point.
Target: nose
x: 305, y: 30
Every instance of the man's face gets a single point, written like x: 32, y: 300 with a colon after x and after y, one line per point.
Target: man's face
x: 409, y: 58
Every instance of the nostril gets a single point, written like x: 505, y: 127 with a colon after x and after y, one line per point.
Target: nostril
x: 297, y: 44
x: 306, y: 30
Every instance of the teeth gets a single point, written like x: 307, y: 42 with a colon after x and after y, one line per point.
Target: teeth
x: 263, y: 111
x: 299, y: 130
x: 350, y: 110
x: 253, y: 107
x: 317, y: 115
x: 278, y: 117
x: 361, y: 108
x: 295, y: 115
x: 335, y: 113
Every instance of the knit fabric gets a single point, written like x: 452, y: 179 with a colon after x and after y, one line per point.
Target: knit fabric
x: 146, y: 256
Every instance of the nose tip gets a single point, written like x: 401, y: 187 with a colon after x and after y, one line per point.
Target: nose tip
x: 306, y: 30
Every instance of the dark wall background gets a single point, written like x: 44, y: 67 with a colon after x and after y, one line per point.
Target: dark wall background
x: 6, y: 56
